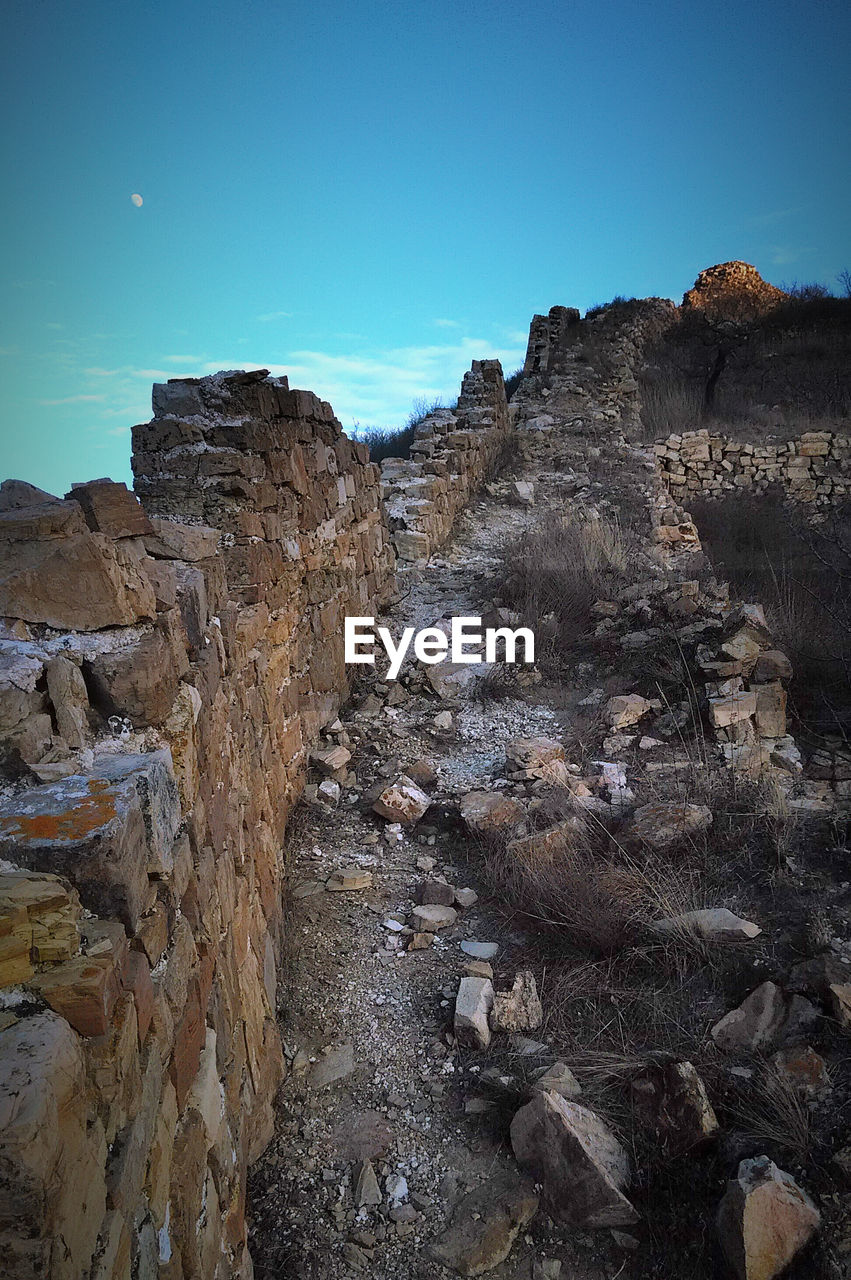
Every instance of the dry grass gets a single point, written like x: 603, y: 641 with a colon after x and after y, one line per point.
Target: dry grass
x: 801, y: 573
x: 770, y: 1111
x: 567, y: 886
x: 670, y: 405
x: 552, y: 575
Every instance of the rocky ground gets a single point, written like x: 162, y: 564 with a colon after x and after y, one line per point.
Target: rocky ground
x: 393, y: 1154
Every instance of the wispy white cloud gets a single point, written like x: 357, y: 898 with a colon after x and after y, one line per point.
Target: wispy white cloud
x: 446, y: 324
x: 783, y: 255
x: 193, y: 360
x: 773, y: 216
x: 269, y: 316
x: 81, y: 399
x: 378, y: 388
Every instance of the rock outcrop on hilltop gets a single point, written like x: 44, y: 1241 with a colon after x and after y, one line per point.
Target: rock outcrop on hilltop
x: 732, y: 291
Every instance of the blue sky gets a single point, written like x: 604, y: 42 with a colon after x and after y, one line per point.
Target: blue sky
x: 367, y: 195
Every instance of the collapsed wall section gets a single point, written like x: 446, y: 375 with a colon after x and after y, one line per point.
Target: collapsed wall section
x: 164, y: 670
x: 453, y: 453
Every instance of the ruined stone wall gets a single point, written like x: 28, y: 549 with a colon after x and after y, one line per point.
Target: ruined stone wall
x: 453, y: 453
x: 814, y: 468
x: 164, y: 670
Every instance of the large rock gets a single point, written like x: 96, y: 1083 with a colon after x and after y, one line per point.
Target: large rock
x: 472, y: 1007
x: 110, y: 508
x: 67, y: 690
x: 15, y: 494
x: 579, y: 1162
x: 520, y: 1008
x: 55, y: 571
x: 714, y: 924
x: 402, y: 801
x: 52, y: 1155
x: 170, y: 540
x: 765, y: 1019
x: 764, y: 1220
x: 485, y: 1224
x: 770, y: 710
x: 490, y: 811
x: 626, y: 709
x: 534, y: 758
x: 664, y: 823
x: 430, y: 917
x: 672, y: 1100
x: 139, y: 679
x: 105, y: 831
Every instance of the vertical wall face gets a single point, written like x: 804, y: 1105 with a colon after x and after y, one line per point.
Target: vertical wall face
x: 453, y: 453
x: 140, y: 887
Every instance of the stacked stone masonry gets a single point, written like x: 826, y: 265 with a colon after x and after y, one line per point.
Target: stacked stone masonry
x: 165, y: 668
x: 453, y: 453
x: 814, y: 468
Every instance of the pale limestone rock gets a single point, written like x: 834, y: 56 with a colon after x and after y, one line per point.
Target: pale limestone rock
x: 764, y: 1220
x: 485, y: 1224
x: 430, y: 918
x: 625, y: 710
x: 532, y: 758
x: 558, y: 1079
x: 349, y: 880
x: 667, y: 822
x: 672, y: 1100
x: 489, y: 811
x: 520, y: 1008
x: 67, y: 691
x: 802, y: 1069
x: 434, y: 892
x: 715, y: 924
x: 579, y: 1162
x: 763, y: 1020
x: 770, y: 710
x: 732, y: 708
x: 402, y: 801
x: 472, y: 1007
x: 365, y: 1188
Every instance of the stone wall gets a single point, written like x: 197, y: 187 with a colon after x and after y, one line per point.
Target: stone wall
x: 164, y: 671
x: 814, y: 468
x: 453, y: 453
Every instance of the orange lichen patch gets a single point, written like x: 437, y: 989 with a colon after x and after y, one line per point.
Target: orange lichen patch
x: 89, y: 814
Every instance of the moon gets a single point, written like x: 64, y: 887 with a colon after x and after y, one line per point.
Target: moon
x: 137, y: 199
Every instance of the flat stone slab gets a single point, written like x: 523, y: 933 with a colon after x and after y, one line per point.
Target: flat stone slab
x: 335, y: 1065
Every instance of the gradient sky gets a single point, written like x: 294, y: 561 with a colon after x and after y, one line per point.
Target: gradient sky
x: 367, y: 195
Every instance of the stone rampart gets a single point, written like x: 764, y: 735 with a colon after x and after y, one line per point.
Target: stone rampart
x: 814, y: 468
x: 453, y: 453
x: 164, y: 671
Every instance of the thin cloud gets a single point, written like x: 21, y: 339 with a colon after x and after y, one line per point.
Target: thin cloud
x: 269, y: 316
x: 783, y: 255
x: 72, y: 400
x: 378, y: 388
x: 446, y: 324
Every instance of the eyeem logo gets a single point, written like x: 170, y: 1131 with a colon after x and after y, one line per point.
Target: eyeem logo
x: 432, y: 645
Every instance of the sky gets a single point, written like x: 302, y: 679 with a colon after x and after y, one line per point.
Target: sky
x: 367, y: 195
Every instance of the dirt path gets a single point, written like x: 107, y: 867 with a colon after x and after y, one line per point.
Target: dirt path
x: 372, y: 1018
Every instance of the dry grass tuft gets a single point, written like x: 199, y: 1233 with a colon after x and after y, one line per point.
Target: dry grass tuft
x: 771, y: 1111
x: 552, y: 575
x: 567, y: 886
